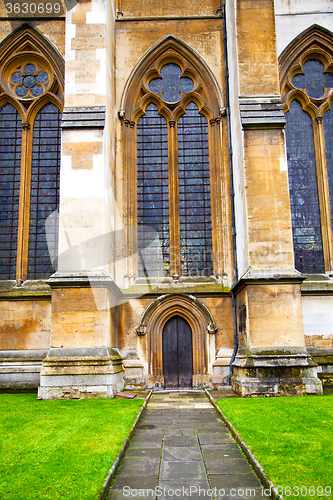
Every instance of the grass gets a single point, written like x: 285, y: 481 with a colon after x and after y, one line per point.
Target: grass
x: 292, y: 439
x: 60, y: 449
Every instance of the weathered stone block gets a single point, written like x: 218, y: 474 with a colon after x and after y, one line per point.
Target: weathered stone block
x: 275, y: 371
x: 75, y: 373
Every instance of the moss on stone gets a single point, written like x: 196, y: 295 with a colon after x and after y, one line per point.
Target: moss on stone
x: 30, y: 288
x: 176, y: 288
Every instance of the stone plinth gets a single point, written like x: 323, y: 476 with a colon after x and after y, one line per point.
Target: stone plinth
x: 289, y: 372
x: 81, y: 373
x: 133, y: 370
x: 20, y: 369
x: 221, y: 367
x: 324, y: 357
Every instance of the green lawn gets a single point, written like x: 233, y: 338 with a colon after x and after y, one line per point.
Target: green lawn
x: 291, y: 437
x: 60, y: 449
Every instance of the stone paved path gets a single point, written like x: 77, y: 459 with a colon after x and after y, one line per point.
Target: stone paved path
x: 183, y: 447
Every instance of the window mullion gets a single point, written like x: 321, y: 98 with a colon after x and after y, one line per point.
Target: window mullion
x: 24, y: 210
x: 174, y: 199
x: 323, y: 193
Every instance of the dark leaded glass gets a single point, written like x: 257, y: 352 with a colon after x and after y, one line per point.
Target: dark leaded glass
x: 194, y: 194
x: 44, y: 190
x: 153, y: 192
x: 328, y: 131
x: 10, y: 163
x: 314, y: 80
x: 303, y: 187
x: 171, y: 84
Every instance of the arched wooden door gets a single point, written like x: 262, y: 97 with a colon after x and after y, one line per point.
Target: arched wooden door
x: 177, y: 353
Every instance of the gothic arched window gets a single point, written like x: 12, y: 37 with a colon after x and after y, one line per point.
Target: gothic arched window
x: 307, y: 91
x: 172, y: 122
x: 30, y: 117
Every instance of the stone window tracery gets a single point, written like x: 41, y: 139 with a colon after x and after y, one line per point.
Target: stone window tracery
x: 169, y: 122
x: 31, y: 96
x: 307, y: 93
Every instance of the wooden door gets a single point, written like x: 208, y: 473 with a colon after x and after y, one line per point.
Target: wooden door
x: 177, y: 353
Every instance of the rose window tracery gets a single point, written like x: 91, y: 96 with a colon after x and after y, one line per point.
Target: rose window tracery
x: 29, y: 80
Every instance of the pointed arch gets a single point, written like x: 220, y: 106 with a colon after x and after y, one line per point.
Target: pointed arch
x: 170, y: 49
x: 313, y: 38
x: 26, y: 38
x: 26, y: 43
x: 314, y: 42
x: 308, y: 62
x: 32, y: 78
x: 197, y: 85
x: 194, y: 312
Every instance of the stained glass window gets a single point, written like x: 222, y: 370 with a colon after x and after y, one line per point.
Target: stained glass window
x: 194, y: 194
x: 303, y: 187
x: 29, y: 158
x: 10, y: 162
x: 153, y: 192
x: 186, y: 159
x: 328, y: 131
x: 44, y: 189
x: 171, y: 85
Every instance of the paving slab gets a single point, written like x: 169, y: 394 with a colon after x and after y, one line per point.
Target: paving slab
x: 215, y: 438
x: 186, y: 483
x: 180, y: 431
x: 191, y: 470
x: 149, y: 435
x: 232, y: 481
x: 136, y: 443
x: 241, y: 494
x: 213, y: 430
x: 122, y: 494
x: 228, y: 466
x: 138, y: 466
x: 222, y: 454
x: 180, y: 443
x: 133, y: 482
x: 140, y: 452
x: 181, y: 454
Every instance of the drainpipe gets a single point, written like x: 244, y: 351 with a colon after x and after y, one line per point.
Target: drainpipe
x: 232, y: 190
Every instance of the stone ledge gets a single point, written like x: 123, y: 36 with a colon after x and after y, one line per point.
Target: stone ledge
x: 29, y: 290
x: 258, y: 112
x: 77, y: 279
x: 83, y: 117
x: 320, y: 285
x: 255, y: 276
x: 29, y: 355
x: 80, y: 367
x: 82, y: 352
x: 321, y: 355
